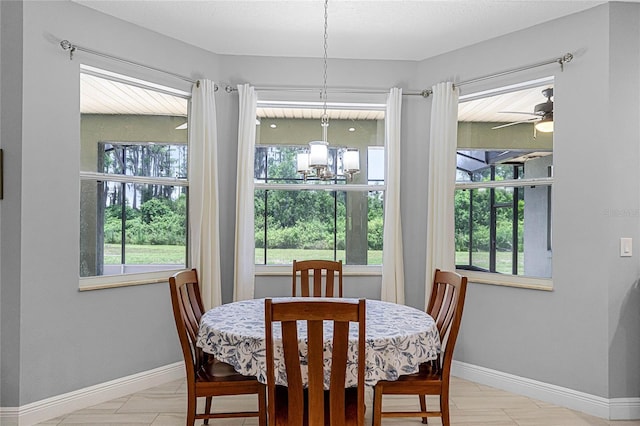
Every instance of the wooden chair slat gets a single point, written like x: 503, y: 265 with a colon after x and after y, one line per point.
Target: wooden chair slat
x: 319, y: 287
x: 315, y: 363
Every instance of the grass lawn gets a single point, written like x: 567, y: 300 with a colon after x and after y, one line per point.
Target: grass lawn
x: 158, y: 254
x: 145, y: 254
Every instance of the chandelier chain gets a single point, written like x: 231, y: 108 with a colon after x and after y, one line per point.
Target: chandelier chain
x: 326, y: 37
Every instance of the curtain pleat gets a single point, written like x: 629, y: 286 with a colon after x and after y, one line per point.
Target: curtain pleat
x: 441, y: 185
x: 392, y: 256
x: 245, y: 239
x: 204, y: 235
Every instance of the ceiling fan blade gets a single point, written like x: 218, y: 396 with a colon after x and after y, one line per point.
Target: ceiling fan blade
x: 514, y: 123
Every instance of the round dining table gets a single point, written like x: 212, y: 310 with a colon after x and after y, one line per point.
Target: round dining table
x: 398, y: 339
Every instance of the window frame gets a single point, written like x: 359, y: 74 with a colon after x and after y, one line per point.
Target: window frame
x: 123, y: 280
x: 496, y: 278
x: 331, y: 186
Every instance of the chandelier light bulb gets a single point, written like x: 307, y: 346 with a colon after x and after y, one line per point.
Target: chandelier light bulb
x: 318, y: 154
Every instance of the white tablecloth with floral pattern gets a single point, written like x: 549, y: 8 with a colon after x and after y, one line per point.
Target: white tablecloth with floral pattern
x: 398, y: 339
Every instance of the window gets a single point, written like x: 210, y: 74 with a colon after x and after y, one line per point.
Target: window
x: 133, y: 183
x: 503, y: 186
x: 334, y: 219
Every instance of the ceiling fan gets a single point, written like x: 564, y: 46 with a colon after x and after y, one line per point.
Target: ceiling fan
x: 543, y: 113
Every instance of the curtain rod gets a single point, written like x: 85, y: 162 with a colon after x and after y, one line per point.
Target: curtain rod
x: 566, y: 58
x: 425, y: 93
x: 230, y: 89
x: 67, y: 45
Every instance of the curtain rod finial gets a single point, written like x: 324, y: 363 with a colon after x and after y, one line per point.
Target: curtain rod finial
x: 66, y: 45
x: 563, y: 60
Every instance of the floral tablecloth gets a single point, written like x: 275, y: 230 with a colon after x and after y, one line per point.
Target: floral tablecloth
x: 398, y: 339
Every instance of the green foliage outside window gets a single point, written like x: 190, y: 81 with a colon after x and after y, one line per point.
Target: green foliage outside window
x: 156, y: 222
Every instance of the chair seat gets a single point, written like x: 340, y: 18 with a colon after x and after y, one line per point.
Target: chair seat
x: 428, y: 380
x: 427, y: 371
x: 351, y: 407
x: 220, y: 371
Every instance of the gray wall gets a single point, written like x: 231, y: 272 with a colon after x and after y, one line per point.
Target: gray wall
x: 583, y: 335
x: 62, y: 339
x: 622, y: 178
x: 10, y: 206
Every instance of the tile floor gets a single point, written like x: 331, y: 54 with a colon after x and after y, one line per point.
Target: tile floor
x: 471, y: 405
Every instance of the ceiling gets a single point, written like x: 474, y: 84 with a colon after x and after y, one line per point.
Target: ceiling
x: 358, y: 29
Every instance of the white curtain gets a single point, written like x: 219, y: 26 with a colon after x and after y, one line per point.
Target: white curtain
x: 442, y: 175
x: 245, y: 238
x: 204, y: 236
x: 392, y: 260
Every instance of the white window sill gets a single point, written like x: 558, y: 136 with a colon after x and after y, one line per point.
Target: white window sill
x: 531, y: 283
x: 347, y: 270
x: 112, y: 281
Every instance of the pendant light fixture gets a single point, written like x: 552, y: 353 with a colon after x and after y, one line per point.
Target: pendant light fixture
x: 315, y: 163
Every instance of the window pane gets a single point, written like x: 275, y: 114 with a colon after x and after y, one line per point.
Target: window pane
x: 154, y: 228
x: 480, y: 228
x: 375, y: 165
x: 527, y: 247
x: 309, y: 224
x: 277, y: 165
x: 143, y: 159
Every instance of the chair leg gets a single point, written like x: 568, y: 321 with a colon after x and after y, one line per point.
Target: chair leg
x: 207, y: 408
x: 262, y: 406
x: 423, y: 407
x: 444, y: 407
x: 191, y: 408
x: 377, y: 406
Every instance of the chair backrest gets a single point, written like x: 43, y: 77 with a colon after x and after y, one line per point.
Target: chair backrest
x: 445, y: 306
x: 187, y: 311
x: 328, y: 268
x: 315, y: 312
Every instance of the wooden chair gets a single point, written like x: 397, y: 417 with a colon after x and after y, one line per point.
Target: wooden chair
x: 206, y: 377
x: 314, y: 406
x: 445, y: 306
x: 328, y: 268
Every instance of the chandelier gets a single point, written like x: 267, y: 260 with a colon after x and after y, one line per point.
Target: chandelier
x: 315, y: 162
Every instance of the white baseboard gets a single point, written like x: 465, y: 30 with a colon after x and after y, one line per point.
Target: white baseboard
x: 49, y: 408
x: 612, y: 409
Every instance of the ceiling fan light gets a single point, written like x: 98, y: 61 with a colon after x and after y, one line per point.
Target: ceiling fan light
x: 545, y: 125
